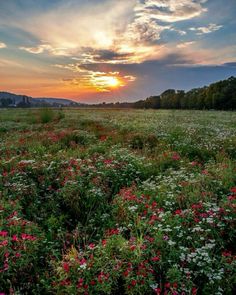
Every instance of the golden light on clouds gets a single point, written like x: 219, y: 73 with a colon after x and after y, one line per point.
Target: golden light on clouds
x: 107, y: 81
x: 100, y: 81
x: 78, y: 48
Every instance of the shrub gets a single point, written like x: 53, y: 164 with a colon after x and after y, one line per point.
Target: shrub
x: 46, y: 115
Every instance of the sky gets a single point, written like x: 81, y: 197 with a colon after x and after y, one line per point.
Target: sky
x: 114, y: 50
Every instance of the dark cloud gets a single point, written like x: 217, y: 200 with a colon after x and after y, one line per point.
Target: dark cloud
x: 105, y: 55
x: 230, y: 64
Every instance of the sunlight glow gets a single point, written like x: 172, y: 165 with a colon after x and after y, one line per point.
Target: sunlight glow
x: 105, y: 83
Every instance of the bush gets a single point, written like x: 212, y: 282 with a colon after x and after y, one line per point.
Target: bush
x: 46, y: 115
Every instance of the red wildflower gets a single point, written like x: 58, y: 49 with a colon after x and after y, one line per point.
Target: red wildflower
x: 132, y: 248
x: 103, y: 138
x: 15, y: 238
x: 133, y: 282
x: 155, y: 258
x: 233, y: 190
x: 91, y: 246
x: 205, y: 172
x: 178, y: 212
x: 3, y: 233
x: 66, y: 266
x: 4, y: 243
x: 167, y: 285
x: 176, y: 156
x: 80, y: 283
x: 28, y: 237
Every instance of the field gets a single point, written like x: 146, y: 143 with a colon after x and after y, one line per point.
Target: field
x: 117, y: 202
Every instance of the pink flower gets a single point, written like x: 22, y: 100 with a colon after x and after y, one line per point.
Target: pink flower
x: 15, y: 238
x: 3, y: 233
x: 91, y: 246
x: 28, y: 237
x: 155, y: 258
x: 82, y: 261
x: 4, y: 243
x: 205, y: 172
x: 176, y: 156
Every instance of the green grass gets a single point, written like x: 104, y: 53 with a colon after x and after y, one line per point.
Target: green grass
x: 100, y: 201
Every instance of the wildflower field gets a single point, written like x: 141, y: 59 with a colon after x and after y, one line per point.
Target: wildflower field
x: 117, y: 202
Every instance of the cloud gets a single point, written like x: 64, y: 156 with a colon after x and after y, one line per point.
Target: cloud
x: 6, y: 63
x: 2, y: 45
x: 46, y: 48
x: 72, y: 25
x: 98, y: 81
x: 170, y: 10
x: 206, y: 30
x: 230, y: 64
x: 130, y: 29
x: 185, y: 44
x: 91, y: 56
x: 90, y: 44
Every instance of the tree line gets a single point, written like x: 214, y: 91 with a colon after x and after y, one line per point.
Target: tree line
x: 219, y: 96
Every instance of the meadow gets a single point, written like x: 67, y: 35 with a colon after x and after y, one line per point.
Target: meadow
x: 117, y: 202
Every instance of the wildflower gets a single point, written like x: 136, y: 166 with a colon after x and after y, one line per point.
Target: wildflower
x: 178, y: 212
x: 28, y: 237
x: 80, y: 283
x: 4, y: 243
x: 91, y: 246
x: 103, y: 138
x: 132, y: 248
x: 176, y: 156
x: 233, y: 190
x: 3, y: 233
x: 133, y: 282
x: 155, y: 258
x: 15, y: 238
x: 66, y: 266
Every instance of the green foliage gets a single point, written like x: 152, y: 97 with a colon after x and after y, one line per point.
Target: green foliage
x: 218, y: 96
x: 46, y: 115
x: 113, y: 202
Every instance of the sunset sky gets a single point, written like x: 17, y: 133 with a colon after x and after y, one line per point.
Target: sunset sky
x: 114, y: 50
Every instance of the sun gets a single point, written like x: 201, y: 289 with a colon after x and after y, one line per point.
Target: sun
x: 106, y: 83
x: 112, y: 81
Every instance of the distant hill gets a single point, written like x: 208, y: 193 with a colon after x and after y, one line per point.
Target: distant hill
x: 13, y: 100
x: 54, y: 101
